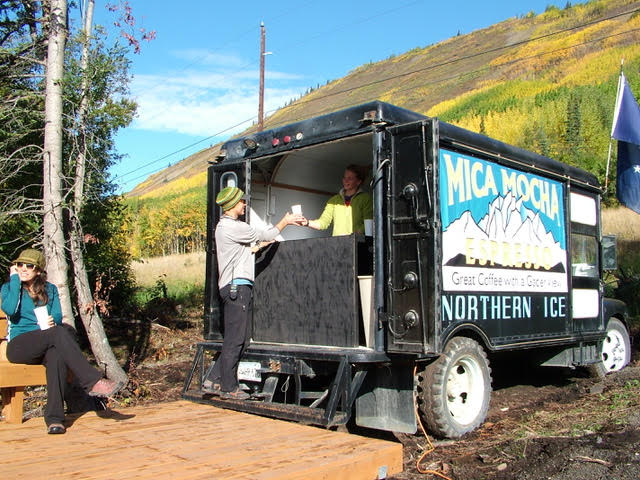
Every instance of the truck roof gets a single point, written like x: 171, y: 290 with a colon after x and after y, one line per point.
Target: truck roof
x: 360, y: 118
x: 332, y: 126
x: 474, y: 141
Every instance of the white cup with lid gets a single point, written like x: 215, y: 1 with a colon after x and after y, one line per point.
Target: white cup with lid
x: 368, y: 227
x: 42, y: 315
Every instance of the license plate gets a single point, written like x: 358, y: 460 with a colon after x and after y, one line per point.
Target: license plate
x: 249, y: 371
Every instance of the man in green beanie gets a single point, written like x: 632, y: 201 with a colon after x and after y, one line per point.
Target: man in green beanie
x: 236, y: 243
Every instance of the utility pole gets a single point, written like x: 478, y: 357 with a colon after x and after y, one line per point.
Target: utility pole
x: 261, y: 94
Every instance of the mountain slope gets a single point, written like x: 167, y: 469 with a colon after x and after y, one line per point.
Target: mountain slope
x: 546, y: 83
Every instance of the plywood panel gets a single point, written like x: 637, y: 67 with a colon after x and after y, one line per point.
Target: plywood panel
x: 305, y: 293
x: 185, y: 440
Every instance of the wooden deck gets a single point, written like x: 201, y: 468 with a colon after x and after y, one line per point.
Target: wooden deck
x: 185, y: 440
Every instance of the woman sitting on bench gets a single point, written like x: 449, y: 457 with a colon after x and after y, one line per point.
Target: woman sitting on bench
x: 47, y: 342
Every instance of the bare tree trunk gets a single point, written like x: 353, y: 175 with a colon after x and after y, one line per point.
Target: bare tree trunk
x: 52, y: 158
x: 86, y: 304
x: 89, y: 313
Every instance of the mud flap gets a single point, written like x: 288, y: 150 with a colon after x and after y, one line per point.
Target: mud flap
x: 385, y: 401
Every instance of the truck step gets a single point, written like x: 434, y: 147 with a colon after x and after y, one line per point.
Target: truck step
x: 255, y: 405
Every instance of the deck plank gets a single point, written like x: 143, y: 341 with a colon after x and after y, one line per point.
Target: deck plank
x: 186, y: 440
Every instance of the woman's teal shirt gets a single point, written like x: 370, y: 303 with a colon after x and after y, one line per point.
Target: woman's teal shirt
x: 18, y: 306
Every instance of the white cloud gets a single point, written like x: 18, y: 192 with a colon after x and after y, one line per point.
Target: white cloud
x: 205, y: 57
x: 211, y: 100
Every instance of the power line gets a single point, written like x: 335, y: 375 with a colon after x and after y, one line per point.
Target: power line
x: 430, y: 67
x: 504, y: 64
x: 473, y: 55
x: 510, y: 62
x: 182, y: 149
x: 324, y: 33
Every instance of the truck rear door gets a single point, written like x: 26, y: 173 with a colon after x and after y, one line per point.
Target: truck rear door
x: 410, y: 297
x: 219, y: 177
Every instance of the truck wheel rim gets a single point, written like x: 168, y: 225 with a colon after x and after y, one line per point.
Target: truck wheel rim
x: 465, y: 390
x: 613, y: 351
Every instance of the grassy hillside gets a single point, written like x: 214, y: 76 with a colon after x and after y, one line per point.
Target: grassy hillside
x: 546, y: 83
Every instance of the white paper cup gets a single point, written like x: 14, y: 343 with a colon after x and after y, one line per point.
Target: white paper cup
x: 296, y: 209
x: 368, y: 227
x: 42, y: 314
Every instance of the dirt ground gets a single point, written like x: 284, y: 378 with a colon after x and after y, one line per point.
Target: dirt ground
x: 549, y: 424
x: 543, y: 423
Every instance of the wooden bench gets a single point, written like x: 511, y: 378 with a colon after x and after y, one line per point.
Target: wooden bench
x: 14, y: 377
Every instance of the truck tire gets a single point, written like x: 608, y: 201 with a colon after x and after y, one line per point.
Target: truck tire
x: 454, y: 391
x: 615, y: 350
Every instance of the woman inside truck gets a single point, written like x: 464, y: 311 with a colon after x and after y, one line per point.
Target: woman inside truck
x: 349, y: 208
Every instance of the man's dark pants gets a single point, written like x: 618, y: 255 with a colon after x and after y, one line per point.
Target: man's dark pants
x: 237, y: 333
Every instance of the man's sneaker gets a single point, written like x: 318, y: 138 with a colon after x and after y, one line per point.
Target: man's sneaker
x: 105, y: 388
x: 211, y: 388
x: 236, y: 394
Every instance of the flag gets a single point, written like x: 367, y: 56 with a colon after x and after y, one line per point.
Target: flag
x: 628, y: 191
x: 626, y: 129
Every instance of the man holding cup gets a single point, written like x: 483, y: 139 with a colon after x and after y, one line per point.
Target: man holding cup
x: 236, y: 242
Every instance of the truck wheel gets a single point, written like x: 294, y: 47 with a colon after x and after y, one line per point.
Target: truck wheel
x: 615, y: 350
x: 454, y: 391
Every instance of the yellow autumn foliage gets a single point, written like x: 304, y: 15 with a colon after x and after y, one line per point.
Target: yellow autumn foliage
x: 177, y: 186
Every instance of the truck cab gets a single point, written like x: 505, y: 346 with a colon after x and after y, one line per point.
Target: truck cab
x: 476, y: 247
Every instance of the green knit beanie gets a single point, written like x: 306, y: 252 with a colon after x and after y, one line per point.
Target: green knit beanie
x: 229, y: 197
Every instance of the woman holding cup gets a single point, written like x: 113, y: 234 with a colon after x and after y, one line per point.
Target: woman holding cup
x: 348, y: 209
x: 37, y: 336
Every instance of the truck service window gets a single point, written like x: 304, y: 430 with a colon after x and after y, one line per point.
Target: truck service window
x: 228, y: 179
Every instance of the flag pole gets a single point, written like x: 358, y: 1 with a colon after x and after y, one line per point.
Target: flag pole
x: 606, y: 178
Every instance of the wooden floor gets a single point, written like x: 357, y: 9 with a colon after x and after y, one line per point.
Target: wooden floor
x: 185, y: 440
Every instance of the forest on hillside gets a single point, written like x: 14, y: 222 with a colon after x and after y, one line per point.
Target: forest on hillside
x: 168, y: 225
x: 546, y: 83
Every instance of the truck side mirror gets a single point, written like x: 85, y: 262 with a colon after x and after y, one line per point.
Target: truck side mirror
x: 609, y: 252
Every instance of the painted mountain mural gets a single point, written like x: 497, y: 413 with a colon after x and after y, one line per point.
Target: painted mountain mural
x: 508, y: 230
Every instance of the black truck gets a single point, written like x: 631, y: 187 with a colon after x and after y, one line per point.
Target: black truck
x: 476, y: 248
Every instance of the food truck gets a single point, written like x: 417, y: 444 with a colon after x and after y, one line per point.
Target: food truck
x: 476, y: 248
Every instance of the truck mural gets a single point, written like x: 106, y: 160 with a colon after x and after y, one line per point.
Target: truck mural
x: 478, y: 250
x: 503, y: 232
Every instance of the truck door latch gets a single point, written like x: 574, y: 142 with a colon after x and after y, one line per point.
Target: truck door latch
x: 410, y: 192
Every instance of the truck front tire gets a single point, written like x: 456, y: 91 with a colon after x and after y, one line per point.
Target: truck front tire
x: 454, y: 391
x: 615, y: 350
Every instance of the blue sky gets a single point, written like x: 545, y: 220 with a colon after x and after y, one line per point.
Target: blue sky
x: 197, y: 83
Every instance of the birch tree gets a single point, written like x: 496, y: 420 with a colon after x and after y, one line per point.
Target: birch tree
x: 52, y: 197
x: 86, y: 305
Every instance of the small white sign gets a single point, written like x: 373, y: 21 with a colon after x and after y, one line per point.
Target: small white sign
x: 249, y: 371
